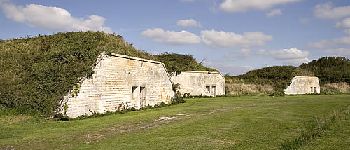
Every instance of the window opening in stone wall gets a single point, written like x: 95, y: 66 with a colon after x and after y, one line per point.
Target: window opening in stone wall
x: 177, y: 73
x: 315, y: 91
x: 133, y: 92
x: 213, y: 88
x: 208, y: 89
x: 142, y: 96
x: 312, y: 89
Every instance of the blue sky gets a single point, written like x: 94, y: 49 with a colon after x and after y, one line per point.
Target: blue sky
x: 232, y: 35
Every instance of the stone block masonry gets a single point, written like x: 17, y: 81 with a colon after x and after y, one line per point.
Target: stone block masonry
x: 200, y: 83
x: 303, y: 85
x: 120, y: 82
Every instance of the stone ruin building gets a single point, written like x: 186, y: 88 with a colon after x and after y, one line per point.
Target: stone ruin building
x: 303, y: 85
x: 199, y: 83
x: 119, y: 82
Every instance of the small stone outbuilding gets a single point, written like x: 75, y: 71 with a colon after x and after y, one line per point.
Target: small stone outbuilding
x: 199, y: 83
x: 119, y: 82
x: 303, y: 85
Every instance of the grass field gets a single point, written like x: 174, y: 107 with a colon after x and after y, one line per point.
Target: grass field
x: 305, y: 122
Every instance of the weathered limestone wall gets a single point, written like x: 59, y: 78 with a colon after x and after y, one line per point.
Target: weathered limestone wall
x: 200, y: 83
x: 120, y: 82
x: 303, y: 85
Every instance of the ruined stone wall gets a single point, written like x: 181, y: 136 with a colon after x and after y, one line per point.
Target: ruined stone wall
x: 120, y: 82
x: 200, y: 83
x: 303, y: 85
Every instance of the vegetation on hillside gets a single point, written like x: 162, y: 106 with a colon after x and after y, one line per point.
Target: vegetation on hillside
x: 178, y: 62
x: 328, y: 69
x: 278, y: 77
x: 37, y: 72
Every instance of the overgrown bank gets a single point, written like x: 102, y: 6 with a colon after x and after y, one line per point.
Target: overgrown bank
x: 178, y: 62
x: 37, y: 72
x: 333, y: 72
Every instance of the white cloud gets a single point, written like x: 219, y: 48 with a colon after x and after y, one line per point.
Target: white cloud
x: 331, y: 43
x: 339, y: 51
x: 321, y: 44
x: 171, y: 37
x: 328, y: 11
x: 231, y: 39
x: 245, y: 52
x: 292, y: 56
x: 52, y: 18
x: 344, y: 23
x: 245, y: 5
x: 188, y: 23
x: 274, y: 12
x: 342, y: 15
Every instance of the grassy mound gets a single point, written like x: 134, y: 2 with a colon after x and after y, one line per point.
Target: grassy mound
x: 177, y: 62
x: 277, y: 77
x: 35, y: 73
x: 330, y: 70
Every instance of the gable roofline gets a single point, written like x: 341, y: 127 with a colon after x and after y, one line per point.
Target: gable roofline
x: 305, y: 77
x: 135, y: 58
x: 206, y: 72
x: 143, y: 60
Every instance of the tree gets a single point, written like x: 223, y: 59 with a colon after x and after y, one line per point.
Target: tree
x: 330, y: 69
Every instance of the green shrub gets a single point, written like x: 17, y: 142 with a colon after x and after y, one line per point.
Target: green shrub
x: 149, y: 107
x: 132, y: 109
x: 178, y: 62
x: 328, y: 69
x: 37, y: 72
x: 65, y: 108
x: 177, y: 98
x: 329, y: 91
x: 162, y: 104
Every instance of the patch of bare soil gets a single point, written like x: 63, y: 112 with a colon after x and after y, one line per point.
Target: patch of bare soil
x: 127, y: 128
x: 140, y: 126
x: 7, y: 148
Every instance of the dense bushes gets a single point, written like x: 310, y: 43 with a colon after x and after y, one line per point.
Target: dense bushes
x: 277, y: 77
x: 35, y: 73
x: 177, y: 62
x: 328, y: 69
x: 177, y: 99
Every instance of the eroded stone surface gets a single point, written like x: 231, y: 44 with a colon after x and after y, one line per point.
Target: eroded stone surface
x: 303, y: 85
x: 120, y: 82
x: 197, y: 83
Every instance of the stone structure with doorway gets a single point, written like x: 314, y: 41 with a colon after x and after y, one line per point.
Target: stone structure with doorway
x: 119, y: 82
x: 303, y: 85
x: 199, y: 83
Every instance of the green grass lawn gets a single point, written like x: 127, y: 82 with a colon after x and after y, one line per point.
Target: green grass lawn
x: 207, y: 123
